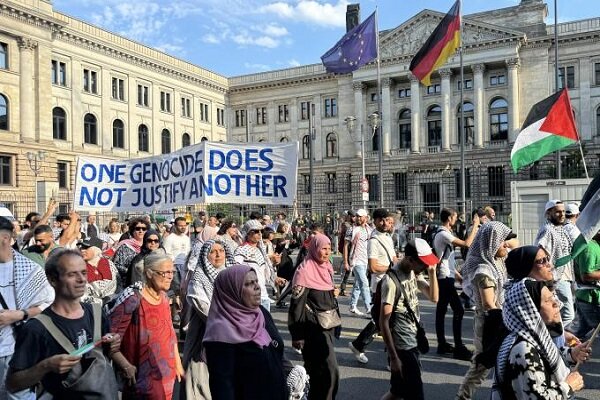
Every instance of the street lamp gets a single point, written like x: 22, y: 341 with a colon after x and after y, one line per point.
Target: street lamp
x: 351, y: 125
x: 34, y: 159
x: 374, y: 121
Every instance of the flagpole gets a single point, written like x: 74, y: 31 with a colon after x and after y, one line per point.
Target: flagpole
x: 380, y: 133
x: 463, y: 198
x: 558, y: 166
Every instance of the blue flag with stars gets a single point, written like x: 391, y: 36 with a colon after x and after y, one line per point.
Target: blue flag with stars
x: 355, y: 49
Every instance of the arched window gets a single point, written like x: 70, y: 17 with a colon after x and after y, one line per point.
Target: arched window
x: 598, y: 121
x: 305, y: 147
x: 204, y: 139
x: 284, y: 139
x: 185, y: 140
x: 90, y: 129
x: 404, y: 128
x: 331, y: 145
x: 3, y: 113
x: 469, y: 123
x: 498, y: 120
x: 434, y: 126
x: 165, y: 141
x: 375, y: 139
x: 59, y: 123
x: 118, y: 134
x: 143, y: 138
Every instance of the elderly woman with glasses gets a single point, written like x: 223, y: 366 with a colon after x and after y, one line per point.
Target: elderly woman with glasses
x: 142, y: 317
x: 129, y: 248
x: 152, y: 243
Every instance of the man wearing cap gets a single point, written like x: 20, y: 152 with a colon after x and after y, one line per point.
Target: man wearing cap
x: 400, y: 336
x: 25, y: 292
x: 356, y: 260
x: 557, y: 241
x: 571, y: 215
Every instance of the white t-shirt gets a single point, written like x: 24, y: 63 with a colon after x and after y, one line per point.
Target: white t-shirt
x: 442, y: 244
x: 178, y: 247
x: 383, y: 254
x: 7, y: 288
x: 358, y: 237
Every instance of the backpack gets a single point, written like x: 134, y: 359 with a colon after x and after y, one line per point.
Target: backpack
x: 376, y: 306
x: 430, y: 233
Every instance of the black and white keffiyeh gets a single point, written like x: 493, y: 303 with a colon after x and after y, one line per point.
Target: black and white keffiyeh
x: 557, y: 241
x: 31, y: 285
x: 134, y: 290
x: 523, y: 320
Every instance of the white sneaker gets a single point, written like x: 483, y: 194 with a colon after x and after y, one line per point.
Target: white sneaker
x: 360, y: 357
x: 356, y: 311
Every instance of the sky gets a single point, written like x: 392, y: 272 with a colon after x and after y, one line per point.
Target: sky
x: 239, y: 37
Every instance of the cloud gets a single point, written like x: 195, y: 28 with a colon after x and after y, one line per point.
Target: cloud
x: 294, y: 63
x: 211, y: 38
x: 257, y: 67
x: 274, y: 30
x: 263, y: 41
x: 322, y: 14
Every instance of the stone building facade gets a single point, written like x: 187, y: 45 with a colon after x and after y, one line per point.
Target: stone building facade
x: 70, y: 88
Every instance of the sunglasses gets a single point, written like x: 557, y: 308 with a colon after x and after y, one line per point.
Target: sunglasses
x: 542, y: 261
x: 153, y: 241
x: 254, y: 231
x: 141, y: 228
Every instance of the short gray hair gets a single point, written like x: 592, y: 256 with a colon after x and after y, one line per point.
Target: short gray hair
x: 154, y: 259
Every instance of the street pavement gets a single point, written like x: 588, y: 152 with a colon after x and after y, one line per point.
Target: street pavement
x: 441, y: 375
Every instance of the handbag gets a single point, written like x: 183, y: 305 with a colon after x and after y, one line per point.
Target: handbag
x: 422, y: 341
x: 93, y: 377
x: 327, y: 319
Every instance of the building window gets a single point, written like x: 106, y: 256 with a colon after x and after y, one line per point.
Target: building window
x: 331, y: 178
x: 143, y: 95
x: 204, y: 116
x: 400, y: 186
x: 467, y: 183
x: 3, y: 113
x: 118, y: 89
x: 284, y: 139
x: 261, y: 115
x: 469, y: 123
x: 63, y: 175
x: 143, y: 138
x: 404, y: 121
x: 90, y: 81
x: 498, y: 120
x: 118, y: 134
x: 403, y: 93
x: 6, y: 170
x: 598, y: 121
x: 220, y: 116
x: 59, y: 73
x: 186, y: 140
x: 90, y: 129
x: 373, y: 97
x: 496, y: 181
x: 331, y: 107
x: 59, y: 124
x: 204, y: 139
x: 304, y: 110
x: 186, y: 107
x: 165, y: 101
x: 331, y: 145
x: 434, y: 89
x: 284, y: 114
x: 165, y: 141
x: 305, y: 147
x: 597, y: 73
x: 306, y: 183
x: 373, y: 187
x: 3, y: 56
x: 497, y: 79
x: 570, y: 77
x: 468, y: 84
x: 434, y: 126
x: 240, y: 118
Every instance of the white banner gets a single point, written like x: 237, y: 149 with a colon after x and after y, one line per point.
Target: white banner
x: 208, y: 172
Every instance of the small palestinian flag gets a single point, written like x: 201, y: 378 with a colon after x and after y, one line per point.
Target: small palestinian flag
x: 549, y: 127
x: 442, y: 43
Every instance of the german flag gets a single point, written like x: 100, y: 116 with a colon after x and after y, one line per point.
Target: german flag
x: 442, y: 43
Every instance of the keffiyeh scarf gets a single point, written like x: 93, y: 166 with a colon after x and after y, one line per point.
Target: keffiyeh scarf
x: 205, y: 273
x: 31, y: 285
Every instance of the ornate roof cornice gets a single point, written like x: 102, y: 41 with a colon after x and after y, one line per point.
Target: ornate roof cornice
x: 30, y: 17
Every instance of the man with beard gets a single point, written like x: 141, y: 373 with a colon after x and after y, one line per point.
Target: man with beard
x: 44, y: 244
x: 557, y: 241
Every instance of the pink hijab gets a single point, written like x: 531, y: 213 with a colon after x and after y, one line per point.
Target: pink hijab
x: 229, y: 320
x: 312, y: 273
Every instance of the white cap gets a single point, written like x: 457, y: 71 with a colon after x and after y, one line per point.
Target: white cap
x: 361, y: 212
x: 550, y: 204
x: 572, y: 209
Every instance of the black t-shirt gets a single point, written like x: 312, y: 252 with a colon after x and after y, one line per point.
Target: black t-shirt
x: 35, y: 344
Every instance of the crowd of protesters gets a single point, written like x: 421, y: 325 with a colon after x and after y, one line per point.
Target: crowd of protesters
x: 90, y: 311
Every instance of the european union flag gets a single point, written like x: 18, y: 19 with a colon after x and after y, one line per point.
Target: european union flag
x: 355, y: 49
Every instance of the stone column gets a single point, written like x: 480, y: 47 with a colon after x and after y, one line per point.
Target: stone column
x: 513, y: 98
x: 415, y: 114
x: 479, y: 104
x: 26, y: 82
x: 386, y: 118
x: 446, y: 108
x: 359, y: 128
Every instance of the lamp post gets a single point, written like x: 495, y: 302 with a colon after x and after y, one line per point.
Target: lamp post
x: 374, y: 120
x: 351, y: 125
x: 34, y: 160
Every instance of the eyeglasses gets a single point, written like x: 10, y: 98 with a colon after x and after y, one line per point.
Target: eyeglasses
x: 252, y: 231
x: 164, y: 274
x: 141, y: 228
x: 542, y: 261
x: 153, y: 241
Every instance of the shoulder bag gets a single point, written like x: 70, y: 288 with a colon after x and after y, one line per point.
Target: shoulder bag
x: 422, y: 342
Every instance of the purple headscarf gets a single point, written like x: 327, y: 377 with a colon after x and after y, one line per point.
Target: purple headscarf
x: 229, y: 319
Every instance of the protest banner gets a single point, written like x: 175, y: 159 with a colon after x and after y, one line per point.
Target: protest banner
x: 207, y: 172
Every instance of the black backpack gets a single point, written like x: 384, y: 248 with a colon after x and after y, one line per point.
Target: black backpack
x: 376, y: 306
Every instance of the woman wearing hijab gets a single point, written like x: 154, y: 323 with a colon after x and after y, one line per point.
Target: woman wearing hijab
x: 313, y: 293
x: 484, y: 275
x: 151, y: 243
x: 529, y: 364
x: 101, y: 273
x: 244, y: 351
x: 215, y: 256
x: 129, y: 248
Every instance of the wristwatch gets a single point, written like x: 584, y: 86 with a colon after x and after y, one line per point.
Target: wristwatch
x: 25, y: 315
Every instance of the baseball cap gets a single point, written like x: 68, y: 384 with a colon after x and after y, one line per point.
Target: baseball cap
x: 253, y: 225
x: 90, y: 242
x: 419, y: 248
x: 361, y: 212
x: 550, y: 204
x: 571, y: 209
x: 6, y: 224
x: 380, y: 213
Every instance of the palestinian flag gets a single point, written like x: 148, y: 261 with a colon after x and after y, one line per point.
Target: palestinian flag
x: 550, y: 126
x: 442, y: 43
